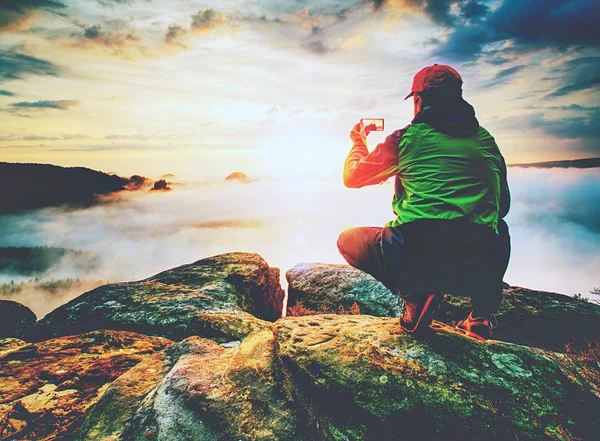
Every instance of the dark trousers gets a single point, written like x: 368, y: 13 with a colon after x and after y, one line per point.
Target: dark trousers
x: 451, y: 256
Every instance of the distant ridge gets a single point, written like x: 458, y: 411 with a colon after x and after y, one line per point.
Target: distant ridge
x: 574, y: 163
x: 27, y: 186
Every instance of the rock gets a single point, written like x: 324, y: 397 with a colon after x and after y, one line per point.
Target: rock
x: 161, y: 184
x: 15, y: 319
x: 325, y: 287
x: 8, y: 345
x: 362, y: 378
x: 541, y: 319
x: 534, y: 318
x: 200, y: 391
x: 238, y: 176
x: 137, y: 182
x: 216, y: 297
x: 46, y: 388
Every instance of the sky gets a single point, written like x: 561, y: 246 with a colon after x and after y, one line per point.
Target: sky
x: 204, y: 88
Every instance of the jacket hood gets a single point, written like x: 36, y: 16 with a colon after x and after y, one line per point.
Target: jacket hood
x: 456, y: 120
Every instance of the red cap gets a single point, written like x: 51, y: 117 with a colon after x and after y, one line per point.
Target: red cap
x: 434, y: 77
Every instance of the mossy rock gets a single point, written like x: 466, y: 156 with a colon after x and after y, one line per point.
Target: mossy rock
x: 47, y: 388
x: 527, y: 317
x: 363, y: 378
x: 199, y: 391
x: 326, y: 287
x: 221, y: 297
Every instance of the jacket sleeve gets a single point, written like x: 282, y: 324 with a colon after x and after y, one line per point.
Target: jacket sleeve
x: 504, y: 191
x: 363, y: 168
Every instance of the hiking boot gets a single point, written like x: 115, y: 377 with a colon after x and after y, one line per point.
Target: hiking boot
x: 418, y: 310
x: 479, y: 328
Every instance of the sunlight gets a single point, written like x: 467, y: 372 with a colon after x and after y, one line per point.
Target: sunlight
x: 305, y: 151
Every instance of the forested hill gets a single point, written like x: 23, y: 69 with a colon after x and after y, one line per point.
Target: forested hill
x: 575, y: 163
x: 26, y: 186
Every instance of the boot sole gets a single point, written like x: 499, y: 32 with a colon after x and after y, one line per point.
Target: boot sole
x: 430, y: 305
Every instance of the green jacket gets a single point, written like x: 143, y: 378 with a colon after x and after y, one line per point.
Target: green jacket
x: 446, y: 166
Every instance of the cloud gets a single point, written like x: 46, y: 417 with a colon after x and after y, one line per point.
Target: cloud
x: 114, y: 36
x: 62, y: 136
x: 15, y: 66
x: 206, y: 20
x: 527, y: 25
x: 582, y: 127
x: 505, y: 75
x: 46, y: 104
x: 74, y: 136
x: 6, y: 93
x: 174, y: 35
x: 585, y: 129
x: 18, y: 15
x: 234, y: 223
x: 316, y: 47
x: 473, y: 8
x: 39, y: 138
x: 509, y: 72
x: 137, y: 136
x: 579, y: 74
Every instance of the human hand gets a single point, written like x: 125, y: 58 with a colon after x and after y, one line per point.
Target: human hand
x: 358, y: 134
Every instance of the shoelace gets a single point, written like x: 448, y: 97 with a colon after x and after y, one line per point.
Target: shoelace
x: 492, y: 322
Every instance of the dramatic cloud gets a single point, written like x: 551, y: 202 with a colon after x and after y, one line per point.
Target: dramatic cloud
x: 19, y: 14
x: 6, y: 93
x: 15, y: 66
x: 527, y: 25
x: 46, y: 104
x: 578, y: 74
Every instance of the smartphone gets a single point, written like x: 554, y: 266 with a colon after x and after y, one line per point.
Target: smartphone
x: 372, y: 124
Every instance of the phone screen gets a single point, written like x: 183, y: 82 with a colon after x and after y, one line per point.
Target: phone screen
x: 373, y: 124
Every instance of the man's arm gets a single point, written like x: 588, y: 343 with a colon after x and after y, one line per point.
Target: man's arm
x: 363, y: 168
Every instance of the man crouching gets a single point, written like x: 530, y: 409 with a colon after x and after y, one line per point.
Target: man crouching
x: 451, y: 195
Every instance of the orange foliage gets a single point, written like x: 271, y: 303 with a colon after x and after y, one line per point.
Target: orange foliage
x: 298, y: 310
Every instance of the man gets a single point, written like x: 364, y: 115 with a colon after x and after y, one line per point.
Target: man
x: 451, y: 195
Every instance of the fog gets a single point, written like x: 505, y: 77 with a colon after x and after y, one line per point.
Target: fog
x: 554, y: 224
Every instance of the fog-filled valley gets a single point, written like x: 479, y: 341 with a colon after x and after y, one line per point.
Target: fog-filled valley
x: 554, y: 224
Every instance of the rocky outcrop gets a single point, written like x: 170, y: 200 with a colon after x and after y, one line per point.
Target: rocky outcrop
x: 527, y: 317
x: 46, y: 388
x: 363, y: 378
x: 15, y: 319
x: 325, y: 287
x: 200, y: 391
x: 218, y: 297
x: 235, y: 376
x: 534, y: 318
x: 239, y: 177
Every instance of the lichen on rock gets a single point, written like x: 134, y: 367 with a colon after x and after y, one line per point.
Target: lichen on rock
x: 204, y: 391
x: 363, y: 378
x: 221, y: 297
x: 47, y: 388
